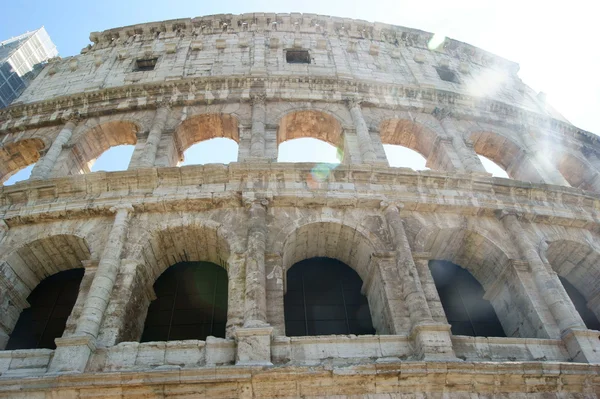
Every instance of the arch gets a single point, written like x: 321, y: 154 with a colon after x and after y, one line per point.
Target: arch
x: 96, y: 140
x: 202, y: 127
x: 277, y: 111
x: 18, y: 155
x: 408, y: 134
x: 352, y: 245
x: 310, y: 123
x: 587, y: 315
x: 164, y: 247
x: 505, y: 153
x: 470, y: 249
x: 578, y: 263
x: 25, y: 267
x: 575, y: 169
x: 41, y: 258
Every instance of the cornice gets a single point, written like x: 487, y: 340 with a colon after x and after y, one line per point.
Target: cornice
x: 193, y: 91
x: 296, y: 23
x: 209, y: 187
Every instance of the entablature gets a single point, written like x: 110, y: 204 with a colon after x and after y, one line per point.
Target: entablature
x: 201, y: 188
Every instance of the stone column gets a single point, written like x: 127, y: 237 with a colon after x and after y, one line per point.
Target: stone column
x: 259, y: 119
x: 72, y: 353
x: 468, y: 157
x: 367, y: 153
x: 3, y: 229
x: 443, y: 157
x: 254, y: 338
x: 255, y: 310
x: 554, y: 295
x: 126, y: 312
x: 432, y: 296
x: 150, y: 149
x: 275, y: 292
x: 432, y: 340
x: 236, y: 274
x: 44, y: 166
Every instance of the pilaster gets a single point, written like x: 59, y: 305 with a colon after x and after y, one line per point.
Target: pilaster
x: 236, y: 273
x: 72, y: 353
x: 432, y: 339
x: 553, y: 293
x: 367, y: 152
x: 150, y: 148
x: 44, y: 167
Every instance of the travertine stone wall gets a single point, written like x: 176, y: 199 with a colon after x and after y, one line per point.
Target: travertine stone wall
x: 367, y: 85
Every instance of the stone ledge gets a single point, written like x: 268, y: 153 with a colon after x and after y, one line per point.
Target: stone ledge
x: 490, y: 378
x: 200, y: 188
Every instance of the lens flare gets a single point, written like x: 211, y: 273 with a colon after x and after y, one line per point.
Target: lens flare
x: 436, y: 41
x: 319, y: 174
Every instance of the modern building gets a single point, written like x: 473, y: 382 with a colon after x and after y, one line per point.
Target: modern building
x: 21, y: 59
x: 263, y: 279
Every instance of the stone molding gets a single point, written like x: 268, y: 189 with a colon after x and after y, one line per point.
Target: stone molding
x: 121, y: 99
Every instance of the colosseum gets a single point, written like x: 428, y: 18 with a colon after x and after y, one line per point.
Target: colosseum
x: 267, y: 279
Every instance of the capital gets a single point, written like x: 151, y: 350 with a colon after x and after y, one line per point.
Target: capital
x: 353, y: 102
x: 122, y: 207
x: 501, y: 214
x: 71, y: 117
x: 256, y: 203
x: 385, y: 205
x: 258, y: 98
x: 441, y: 113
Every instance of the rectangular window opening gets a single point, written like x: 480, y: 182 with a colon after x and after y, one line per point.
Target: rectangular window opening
x: 145, y: 64
x: 297, y: 57
x: 447, y: 75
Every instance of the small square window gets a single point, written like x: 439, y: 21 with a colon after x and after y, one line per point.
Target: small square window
x: 297, y: 57
x: 145, y: 64
x: 447, y: 75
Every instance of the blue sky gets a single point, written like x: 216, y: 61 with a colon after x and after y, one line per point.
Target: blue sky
x: 555, y: 44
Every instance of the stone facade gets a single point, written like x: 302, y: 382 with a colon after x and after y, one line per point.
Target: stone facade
x: 366, y: 85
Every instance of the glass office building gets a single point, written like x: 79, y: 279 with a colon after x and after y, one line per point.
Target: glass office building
x: 21, y: 59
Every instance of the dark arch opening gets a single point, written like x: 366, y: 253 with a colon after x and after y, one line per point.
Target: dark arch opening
x: 323, y: 298
x: 191, y: 303
x: 51, y: 304
x: 589, y: 318
x: 462, y: 299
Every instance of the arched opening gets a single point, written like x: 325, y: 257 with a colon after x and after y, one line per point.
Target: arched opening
x: 18, y: 158
x: 403, y: 157
x: 114, y: 159
x: 217, y: 150
x: 191, y: 303
x: 588, y: 317
x: 406, y: 143
x: 577, y: 264
x: 95, y: 142
x: 308, y: 150
x: 491, y: 266
x: 578, y: 172
x: 51, y: 303
x: 324, y: 298
x: 207, y: 138
x: 24, y: 270
x: 462, y: 299
x: 21, y: 175
x: 502, y: 157
x: 492, y: 167
x: 309, y: 136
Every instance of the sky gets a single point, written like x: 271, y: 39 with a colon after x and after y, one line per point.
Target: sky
x: 555, y: 43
